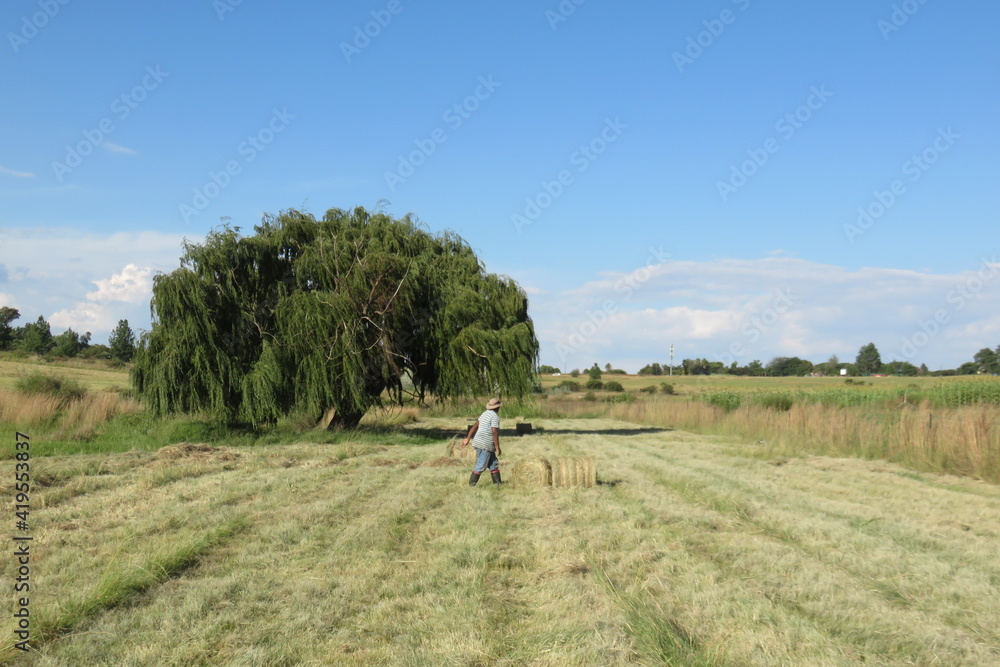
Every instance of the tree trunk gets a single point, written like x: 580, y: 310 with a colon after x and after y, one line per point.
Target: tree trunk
x: 335, y: 419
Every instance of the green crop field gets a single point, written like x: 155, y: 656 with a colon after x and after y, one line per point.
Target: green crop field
x: 695, y: 384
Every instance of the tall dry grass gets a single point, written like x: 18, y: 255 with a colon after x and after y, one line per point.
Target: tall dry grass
x: 962, y: 440
x: 74, y: 419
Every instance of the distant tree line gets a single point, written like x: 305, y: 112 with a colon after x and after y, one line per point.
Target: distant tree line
x: 867, y: 362
x: 36, y: 338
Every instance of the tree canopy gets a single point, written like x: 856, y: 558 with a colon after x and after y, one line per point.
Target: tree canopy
x: 900, y: 368
x: 7, y: 315
x: 122, y: 342
x: 988, y: 360
x: 869, y: 360
x: 37, y: 337
x: 69, y: 343
x: 789, y: 366
x: 320, y: 317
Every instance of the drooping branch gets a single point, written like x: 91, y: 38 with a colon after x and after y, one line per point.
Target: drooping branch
x: 306, y: 316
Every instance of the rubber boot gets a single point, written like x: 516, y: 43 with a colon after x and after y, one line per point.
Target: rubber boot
x: 496, y: 477
x: 474, y: 479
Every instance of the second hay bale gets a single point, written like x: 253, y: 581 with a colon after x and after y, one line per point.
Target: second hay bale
x: 536, y: 471
x: 574, y: 471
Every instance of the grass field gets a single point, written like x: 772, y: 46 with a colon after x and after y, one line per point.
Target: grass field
x: 97, y: 375
x: 291, y: 547
x: 690, y: 385
x: 692, y: 550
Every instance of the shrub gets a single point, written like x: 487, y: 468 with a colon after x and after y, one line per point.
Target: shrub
x: 776, y: 401
x: 613, y: 385
x: 621, y: 398
x: 651, y: 389
x: 727, y: 400
x: 97, y: 351
x: 595, y: 385
x: 667, y: 388
x: 64, y: 389
x: 569, y: 385
x: 589, y: 396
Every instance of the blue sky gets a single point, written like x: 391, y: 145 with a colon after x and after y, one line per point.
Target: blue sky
x: 741, y: 179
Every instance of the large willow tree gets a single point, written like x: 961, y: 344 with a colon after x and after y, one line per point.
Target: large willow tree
x: 326, y: 317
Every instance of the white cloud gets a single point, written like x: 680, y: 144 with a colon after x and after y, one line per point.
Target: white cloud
x: 740, y: 310
x: 85, y: 281
x: 726, y: 309
x: 83, y: 317
x: 17, y: 174
x: 133, y: 285
x: 101, y: 311
x: 115, y: 148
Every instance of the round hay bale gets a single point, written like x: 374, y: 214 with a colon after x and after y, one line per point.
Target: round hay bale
x: 532, y: 472
x: 574, y: 471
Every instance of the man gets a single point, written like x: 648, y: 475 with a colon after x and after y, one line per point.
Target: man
x: 486, y: 442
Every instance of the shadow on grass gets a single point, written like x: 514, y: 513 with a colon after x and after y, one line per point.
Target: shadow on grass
x: 446, y: 433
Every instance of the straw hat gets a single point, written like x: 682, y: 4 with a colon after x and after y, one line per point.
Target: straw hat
x: 493, y: 404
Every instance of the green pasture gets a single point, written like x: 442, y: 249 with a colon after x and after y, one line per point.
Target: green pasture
x: 687, y: 385
x: 96, y: 375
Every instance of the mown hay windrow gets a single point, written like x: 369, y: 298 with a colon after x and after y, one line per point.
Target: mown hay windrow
x: 532, y: 472
x: 199, y: 451
x: 443, y: 462
x: 575, y: 471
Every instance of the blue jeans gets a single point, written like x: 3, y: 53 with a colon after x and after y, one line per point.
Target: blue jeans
x: 484, y: 460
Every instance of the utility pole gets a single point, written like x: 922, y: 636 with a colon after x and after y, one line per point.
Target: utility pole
x: 671, y: 359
